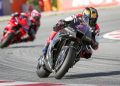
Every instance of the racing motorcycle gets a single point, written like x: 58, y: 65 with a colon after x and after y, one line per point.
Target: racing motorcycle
x: 64, y: 51
x: 13, y: 32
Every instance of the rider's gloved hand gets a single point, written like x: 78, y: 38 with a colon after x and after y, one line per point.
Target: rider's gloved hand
x: 60, y: 25
x: 23, y: 15
x: 94, y: 45
x: 16, y: 14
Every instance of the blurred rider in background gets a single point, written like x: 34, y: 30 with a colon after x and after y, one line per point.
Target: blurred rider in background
x: 30, y: 23
x: 88, y: 16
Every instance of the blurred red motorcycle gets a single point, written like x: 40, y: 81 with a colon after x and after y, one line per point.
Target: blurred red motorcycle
x: 13, y: 32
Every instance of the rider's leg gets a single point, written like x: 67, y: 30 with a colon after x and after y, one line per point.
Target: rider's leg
x: 52, y: 35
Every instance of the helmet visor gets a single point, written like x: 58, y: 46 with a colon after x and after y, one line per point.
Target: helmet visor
x: 37, y: 18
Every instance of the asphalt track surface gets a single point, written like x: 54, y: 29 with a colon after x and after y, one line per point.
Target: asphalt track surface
x: 18, y: 62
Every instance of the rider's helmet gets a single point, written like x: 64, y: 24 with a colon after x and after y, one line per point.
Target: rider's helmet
x: 35, y: 15
x: 90, y: 15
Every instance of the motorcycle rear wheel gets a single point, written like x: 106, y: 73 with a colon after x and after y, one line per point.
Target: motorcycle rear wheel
x: 7, y: 40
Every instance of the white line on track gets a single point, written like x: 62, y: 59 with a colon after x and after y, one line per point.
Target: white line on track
x: 115, y: 35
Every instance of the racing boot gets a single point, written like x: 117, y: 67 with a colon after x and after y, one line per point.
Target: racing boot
x: 45, y: 50
x: 42, y: 57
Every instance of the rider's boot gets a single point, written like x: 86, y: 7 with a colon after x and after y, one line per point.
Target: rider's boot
x: 45, y: 50
x: 43, y: 56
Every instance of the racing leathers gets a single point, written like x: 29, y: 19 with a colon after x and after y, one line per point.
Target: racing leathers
x: 28, y: 24
x: 63, y: 23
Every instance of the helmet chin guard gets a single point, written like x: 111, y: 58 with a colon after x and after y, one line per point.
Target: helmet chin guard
x: 35, y: 15
x: 90, y: 15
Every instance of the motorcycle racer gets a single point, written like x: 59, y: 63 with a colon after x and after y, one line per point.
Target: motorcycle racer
x: 30, y: 22
x: 89, y: 16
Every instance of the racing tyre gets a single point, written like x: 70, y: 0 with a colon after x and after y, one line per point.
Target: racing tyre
x: 41, y: 72
x: 7, y: 40
x: 67, y: 63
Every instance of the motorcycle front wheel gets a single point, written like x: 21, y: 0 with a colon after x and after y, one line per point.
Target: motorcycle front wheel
x: 7, y: 40
x: 67, y: 63
x: 41, y: 71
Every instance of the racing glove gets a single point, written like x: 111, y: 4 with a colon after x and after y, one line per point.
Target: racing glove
x: 60, y: 25
x: 16, y: 14
x: 94, y: 45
